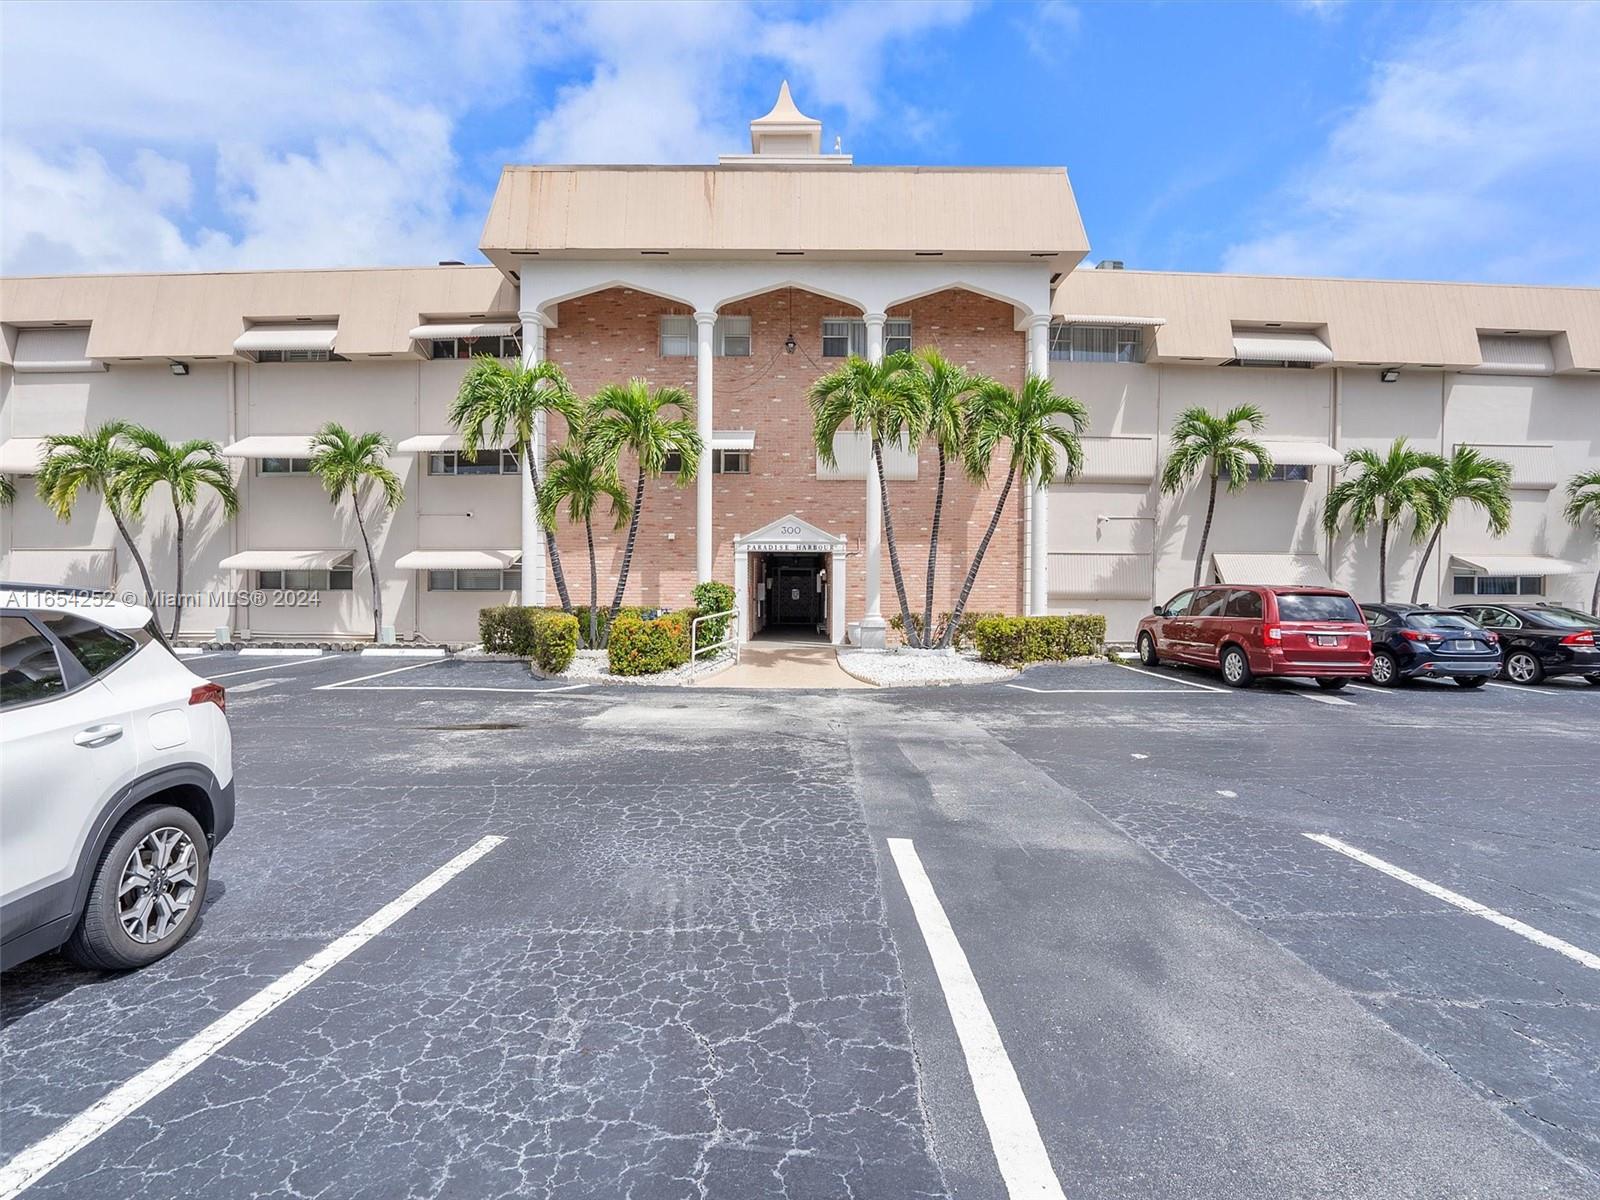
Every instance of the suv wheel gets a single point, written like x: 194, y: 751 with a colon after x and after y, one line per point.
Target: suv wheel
x: 147, y: 890
x: 1236, y: 668
x: 1592, y: 680
x: 1149, y: 657
x: 1522, y: 667
x: 1385, y: 671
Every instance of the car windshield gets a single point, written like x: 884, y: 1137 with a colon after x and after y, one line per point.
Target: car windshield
x: 1309, y: 606
x: 1439, y: 621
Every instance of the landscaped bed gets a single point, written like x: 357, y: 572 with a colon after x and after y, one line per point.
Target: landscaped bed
x: 924, y: 668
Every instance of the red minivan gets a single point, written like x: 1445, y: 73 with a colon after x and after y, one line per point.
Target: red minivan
x: 1245, y: 630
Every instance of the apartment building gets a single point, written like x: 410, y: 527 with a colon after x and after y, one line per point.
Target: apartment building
x: 743, y: 282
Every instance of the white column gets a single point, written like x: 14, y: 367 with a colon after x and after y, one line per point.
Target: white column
x: 741, y: 593
x: 1039, y: 531
x: 1027, y: 554
x: 874, y: 629
x: 705, y: 350
x: 836, y: 597
x: 533, y: 548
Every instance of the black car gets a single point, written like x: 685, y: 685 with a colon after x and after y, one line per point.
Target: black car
x: 1538, y: 641
x: 1410, y: 641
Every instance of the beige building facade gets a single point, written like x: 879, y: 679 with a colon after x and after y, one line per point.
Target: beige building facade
x: 742, y: 283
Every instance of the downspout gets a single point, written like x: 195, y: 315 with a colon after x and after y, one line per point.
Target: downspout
x: 241, y: 617
x: 1027, y: 552
x: 1335, y: 432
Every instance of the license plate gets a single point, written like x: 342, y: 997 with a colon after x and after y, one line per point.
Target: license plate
x: 1323, y: 639
x: 1463, y: 646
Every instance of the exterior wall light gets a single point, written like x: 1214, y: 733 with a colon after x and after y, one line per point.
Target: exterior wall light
x: 178, y: 368
x: 1390, y: 374
x: 790, y: 345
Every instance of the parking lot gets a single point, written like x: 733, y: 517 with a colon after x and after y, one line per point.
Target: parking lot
x: 1097, y: 932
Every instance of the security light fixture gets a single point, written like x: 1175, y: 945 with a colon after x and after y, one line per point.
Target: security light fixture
x: 178, y: 368
x: 790, y: 345
x: 1390, y: 374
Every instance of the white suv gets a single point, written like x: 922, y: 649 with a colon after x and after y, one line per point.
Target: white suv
x: 116, y: 781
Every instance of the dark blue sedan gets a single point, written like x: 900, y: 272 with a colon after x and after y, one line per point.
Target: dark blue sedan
x: 1413, y: 642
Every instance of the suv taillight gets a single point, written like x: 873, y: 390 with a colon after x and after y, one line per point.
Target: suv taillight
x: 1578, y: 639
x: 210, y: 693
x: 1273, y: 633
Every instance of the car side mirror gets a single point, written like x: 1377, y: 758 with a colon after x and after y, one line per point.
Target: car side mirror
x: 1159, y: 610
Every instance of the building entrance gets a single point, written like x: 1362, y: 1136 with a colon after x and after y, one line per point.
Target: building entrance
x: 788, y: 579
x: 792, y: 592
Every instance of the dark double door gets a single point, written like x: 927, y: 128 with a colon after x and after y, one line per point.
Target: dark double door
x: 796, y: 595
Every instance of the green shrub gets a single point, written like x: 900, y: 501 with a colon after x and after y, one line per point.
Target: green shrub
x: 1018, y: 640
x: 547, y: 636
x: 963, y: 639
x: 713, y: 598
x: 555, y: 640
x: 603, y: 617
x: 641, y: 646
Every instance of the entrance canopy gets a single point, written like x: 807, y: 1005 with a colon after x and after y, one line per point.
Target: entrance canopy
x: 789, y: 535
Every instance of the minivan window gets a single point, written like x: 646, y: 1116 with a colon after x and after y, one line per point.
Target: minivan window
x: 1210, y: 602
x: 1178, y: 606
x: 96, y: 647
x: 28, y: 667
x: 1308, y: 606
x: 1438, y: 621
x: 1245, y: 604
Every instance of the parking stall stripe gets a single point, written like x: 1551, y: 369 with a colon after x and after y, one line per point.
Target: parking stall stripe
x: 43, y: 1156
x: 1205, y: 687
x: 1024, y: 1164
x: 1538, y: 936
x: 1325, y: 699
x: 1022, y: 687
x: 269, y: 667
x: 328, y: 687
x: 1524, y: 689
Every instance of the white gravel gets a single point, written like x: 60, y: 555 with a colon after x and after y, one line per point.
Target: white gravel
x: 920, y: 668
x: 592, y: 666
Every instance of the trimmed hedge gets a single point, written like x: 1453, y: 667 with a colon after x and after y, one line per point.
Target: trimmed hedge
x: 713, y: 598
x: 964, y: 630
x: 641, y: 646
x: 1018, y: 640
x: 555, y: 641
x: 603, y: 618
x: 548, y: 636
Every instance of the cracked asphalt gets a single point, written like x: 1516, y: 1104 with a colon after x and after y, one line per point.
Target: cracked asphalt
x: 691, y: 970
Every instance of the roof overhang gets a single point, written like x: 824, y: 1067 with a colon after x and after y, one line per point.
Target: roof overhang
x: 286, y: 560
x: 434, y: 443
x: 1516, y: 564
x: 286, y: 338
x: 21, y: 456
x: 1303, y: 453
x: 1272, y: 569
x: 458, y: 560
x: 1111, y: 319
x: 1272, y: 345
x: 466, y: 329
x: 733, y: 439
x: 272, y: 446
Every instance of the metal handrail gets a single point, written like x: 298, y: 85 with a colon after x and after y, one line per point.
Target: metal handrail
x: 732, y: 638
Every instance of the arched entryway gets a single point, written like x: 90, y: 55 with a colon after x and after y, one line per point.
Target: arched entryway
x: 789, y: 576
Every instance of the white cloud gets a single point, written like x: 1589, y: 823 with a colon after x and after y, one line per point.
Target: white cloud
x: 1049, y: 29
x: 1471, y: 146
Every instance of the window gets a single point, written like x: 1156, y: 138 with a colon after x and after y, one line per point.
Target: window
x: 1497, y: 585
x: 29, y: 669
x: 94, y: 646
x: 844, y: 336
x: 1095, y: 343
x: 293, y: 356
x: 730, y: 462
x: 487, y: 579
x: 1376, y: 616
x: 1246, y: 605
x: 677, y: 337
x: 730, y: 337
x: 508, y: 345
x: 1432, y: 620
x: 334, y: 579
x: 897, y: 336
x: 1178, y: 606
x: 1497, y: 618
x: 1280, y: 473
x: 1209, y: 602
x: 672, y: 463
x: 284, y: 466
x: 485, y: 462
x: 1268, y: 362
x: 1311, y: 606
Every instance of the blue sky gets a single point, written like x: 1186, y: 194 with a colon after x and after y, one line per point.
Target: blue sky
x: 1443, y: 141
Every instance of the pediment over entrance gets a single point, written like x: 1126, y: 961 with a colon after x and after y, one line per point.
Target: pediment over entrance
x: 790, y: 534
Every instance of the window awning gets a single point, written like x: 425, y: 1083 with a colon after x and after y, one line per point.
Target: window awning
x: 286, y: 560
x: 285, y: 337
x: 54, y: 351
x: 465, y: 329
x: 1271, y: 569
x: 1273, y: 345
x: 270, y: 446
x: 1516, y: 564
x: 21, y: 456
x: 1103, y: 319
x: 733, y: 439
x: 1301, y: 453
x: 433, y: 443
x: 458, y: 560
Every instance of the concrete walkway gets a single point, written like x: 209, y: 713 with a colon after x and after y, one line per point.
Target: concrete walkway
x: 788, y: 661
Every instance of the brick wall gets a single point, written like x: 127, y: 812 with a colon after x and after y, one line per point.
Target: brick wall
x: 613, y: 335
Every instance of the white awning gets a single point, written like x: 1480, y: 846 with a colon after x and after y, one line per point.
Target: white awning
x: 286, y: 560
x: 1274, y: 345
x: 465, y: 329
x: 21, y: 456
x: 1301, y: 453
x: 458, y: 560
x: 285, y: 337
x: 54, y: 351
x: 271, y: 446
x: 733, y: 439
x: 433, y: 443
x: 1516, y: 564
x: 1271, y: 569
x: 1103, y: 319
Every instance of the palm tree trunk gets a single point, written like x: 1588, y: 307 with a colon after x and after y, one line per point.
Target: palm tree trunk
x: 933, y: 553
x: 177, y: 596
x: 1594, y: 598
x: 977, y: 559
x: 1205, y: 530
x: 1383, y: 559
x: 1416, y: 584
x: 594, y: 586
x: 138, y: 559
x: 894, y: 549
x: 627, y: 551
x: 549, y: 535
x: 372, y: 569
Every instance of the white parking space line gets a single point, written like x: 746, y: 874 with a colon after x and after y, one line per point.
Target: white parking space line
x: 1375, y: 690
x: 1022, y: 687
x: 255, y: 685
x: 1525, y: 689
x: 44, y: 1155
x: 269, y: 667
x: 402, y: 652
x: 326, y: 687
x: 1549, y: 941
x: 1020, y: 1152
x: 1206, y: 687
x: 1320, y: 699
x: 353, y: 685
x: 276, y: 652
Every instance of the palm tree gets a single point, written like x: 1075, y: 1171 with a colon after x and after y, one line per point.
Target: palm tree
x: 501, y: 404
x: 1390, y: 486
x: 1043, y: 430
x: 185, y: 468
x: 943, y: 392
x: 1222, y: 446
x: 1470, y: 477
x: 91, y: 462
x: 876, y: 399
x: 1583, y: 504
x: 629, y: 416
x: 352, y: 465
x: 580, y: 476
x: 8, y: 490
